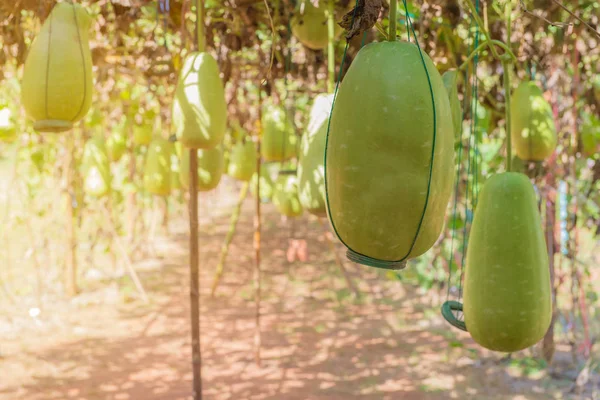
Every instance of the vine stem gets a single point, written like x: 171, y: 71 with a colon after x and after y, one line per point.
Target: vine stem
x: 482, y: 27
x: 392, y: 27
x: 506, y: 68
x: 482, y: 46
x: 331, y: 46
x: 200, y: 35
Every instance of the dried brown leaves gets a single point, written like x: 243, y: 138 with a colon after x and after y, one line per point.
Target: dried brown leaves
x: 362, y: 18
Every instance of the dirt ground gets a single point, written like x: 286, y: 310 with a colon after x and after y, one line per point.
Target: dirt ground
x: 317, y: 341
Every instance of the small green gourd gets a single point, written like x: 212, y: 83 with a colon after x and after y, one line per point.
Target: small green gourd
x: 157, y: 170
x: 507, y: 294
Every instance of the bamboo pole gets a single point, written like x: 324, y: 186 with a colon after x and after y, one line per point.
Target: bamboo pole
x: 235, y: 217
x: 128, y: 264
x: 195, y: 277
x: 194, y: 252
x: 70, y: 273
x: 257, y: 236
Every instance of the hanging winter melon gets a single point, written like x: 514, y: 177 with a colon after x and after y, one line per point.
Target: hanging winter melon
x: 285, y: 195
x: 279, y: 140
x: 242, y: 160
x: 8, y: 131
x: 532, y: 125
x: 199, y: 109
x: 142, y: 133
x: 96, y: 168
x: 507, y: 295
x: 266, y: 181
x: 57, y: 77
x: 211, y: 167
x: 590, y: 135
x: 450, y: 79
x: 157, y: 170
x: 309, y: 24
x: 311, y: 169
x: 116, y: 145
x: 389, y: 166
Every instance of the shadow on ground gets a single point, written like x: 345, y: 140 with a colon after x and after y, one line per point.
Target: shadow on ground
x: 317, y: 342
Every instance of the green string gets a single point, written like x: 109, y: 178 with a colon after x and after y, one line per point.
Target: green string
x: 352, y: 254
x: 450, y: 307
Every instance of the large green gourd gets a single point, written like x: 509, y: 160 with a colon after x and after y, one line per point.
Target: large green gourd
x: 199, y: 109
x: 242, y: 161
x: 285, y: 195
x: 96, y: 168
x: 57, y: 78
x: 311, y: 169
x: 211, y: 167
x: 279, y: 140
x: 309, y: 24
x: 450, y: 79
x: 507, y: 295
x: 532, y: 124
x: 116, y: 145
x: 266, y: 181
x: 379, y: 155
x: 157, y: 170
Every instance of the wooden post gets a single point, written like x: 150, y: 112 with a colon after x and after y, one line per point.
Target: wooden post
x: 257, y: 232
x: 70, y: 277
x: 131, y: 196
x: 195, y: 277
x: 194, y: 252
x: 235, y: 216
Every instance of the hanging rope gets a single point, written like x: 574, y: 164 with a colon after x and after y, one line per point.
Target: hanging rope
x: 450, y: 307
x: 354, y: 255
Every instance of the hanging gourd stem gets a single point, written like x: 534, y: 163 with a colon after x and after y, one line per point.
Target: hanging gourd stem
x: 392, y: 18
x: 272, y: 58
x: 200, y: 34
x: 481, y: 25
x: 506, y: 67
x: 330, y: 46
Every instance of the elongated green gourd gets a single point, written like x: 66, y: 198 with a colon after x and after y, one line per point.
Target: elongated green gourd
x: 8, y: 132
x: 157, y: 170
x: 380, y: 154
x: 532, y: 124
x: 285, y: 195
x: 57, y: 77
x: 116, y: 145
x: 199, y: 109
x: 590, y: 135
x: 242, y: 161
x: 507, y: 295
x: 309, y: 24
x: 96, y: 168
x: 266, y: 181
x: 450, y: 79
x: 278, y: 137
x: 142, y: 134
x: 311, y: 168
x: 211, y: 167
